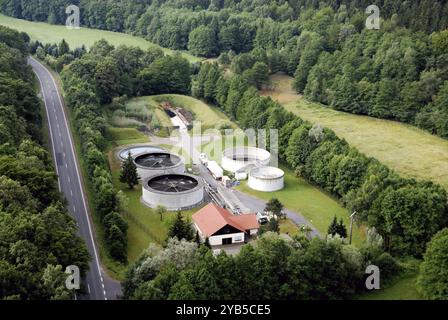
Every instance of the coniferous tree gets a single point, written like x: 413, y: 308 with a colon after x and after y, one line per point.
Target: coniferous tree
x: 129, y: 172
x: 334, y: 227
x: 181, y: 229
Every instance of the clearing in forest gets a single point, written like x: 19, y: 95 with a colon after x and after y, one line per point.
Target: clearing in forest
x: 404, y: 148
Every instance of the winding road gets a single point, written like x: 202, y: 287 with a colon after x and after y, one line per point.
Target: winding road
x: 97, y: 284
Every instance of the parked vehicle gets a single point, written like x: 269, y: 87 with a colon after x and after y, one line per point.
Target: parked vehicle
x: 262, y: 218
x: 216, y: 171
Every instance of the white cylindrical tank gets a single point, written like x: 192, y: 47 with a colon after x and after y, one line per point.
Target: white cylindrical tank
x: 267, y: 179
x: 234, y: 159
x: 152, y: 163
x: 173, y: 191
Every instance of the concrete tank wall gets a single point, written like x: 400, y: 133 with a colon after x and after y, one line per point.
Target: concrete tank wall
x: 173, y: 201
x: 267, y: 179
x: 146, y: 173
x: 256, y: 156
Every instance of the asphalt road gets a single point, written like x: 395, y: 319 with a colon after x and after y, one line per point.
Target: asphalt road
x: 98, y: 285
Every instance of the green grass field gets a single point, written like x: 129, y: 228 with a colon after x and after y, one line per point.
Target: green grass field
x: 406, y: 149
x: 47, y: 33
x: 401, y: 289
x: 209, y: 116
x: 314, y: 204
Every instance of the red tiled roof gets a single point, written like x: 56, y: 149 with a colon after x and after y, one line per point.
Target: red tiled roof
x: 213, y: 218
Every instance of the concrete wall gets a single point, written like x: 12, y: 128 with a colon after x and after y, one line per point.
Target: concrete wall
x: 146, y: 173
x: 260, y: 156
x: 266, y: 185
x: 174, y: 201
x: 236, y: 238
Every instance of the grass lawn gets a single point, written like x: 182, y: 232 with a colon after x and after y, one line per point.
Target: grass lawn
x: 47, y: 33
x: 209, y: 116
x: 403, y: 288
x: 122, y: 136
x: 406, y: 149
x: 314, y: 204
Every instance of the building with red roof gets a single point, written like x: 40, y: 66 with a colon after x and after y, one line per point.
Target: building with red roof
x: 221, y: 227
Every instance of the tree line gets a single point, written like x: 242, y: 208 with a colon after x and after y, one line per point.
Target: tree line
x: 398, y: 72
x: 381, y: 197
x: 95, y: 79
x: 38, y: 237
x: 274, y: 268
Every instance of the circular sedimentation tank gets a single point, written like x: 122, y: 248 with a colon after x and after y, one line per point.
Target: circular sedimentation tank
x: 138, y: 149
x: 173, y: 191
x: 267, y: 179
x: 235, y: 159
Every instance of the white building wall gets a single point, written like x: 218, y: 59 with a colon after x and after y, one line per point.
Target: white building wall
x: 217, y: 240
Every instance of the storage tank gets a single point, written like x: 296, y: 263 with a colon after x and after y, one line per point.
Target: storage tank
x: 152, y: 163
x: 267, y: 179
x: 235, y: 159
x: 173, y: 191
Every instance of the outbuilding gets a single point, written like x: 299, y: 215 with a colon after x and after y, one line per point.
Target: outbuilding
x: 221, y: 227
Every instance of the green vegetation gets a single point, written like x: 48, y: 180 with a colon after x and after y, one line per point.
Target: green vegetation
x: 315, y: 205
x: 433, y: 278
x: 381, y: 198
x: 47, y: 33
x: 270, y: 269
x: 38, y: 236
x: 384, y: 140
x: 209, y: 116
x: 123, y: 136
x: 403, y: 288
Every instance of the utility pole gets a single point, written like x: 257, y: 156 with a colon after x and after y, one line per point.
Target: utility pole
x: 352, y: 216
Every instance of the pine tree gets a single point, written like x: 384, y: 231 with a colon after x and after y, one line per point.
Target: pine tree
x: 129, y: 172
x: 181, y: 229
x: 342, y: 230
x: 334, y: 227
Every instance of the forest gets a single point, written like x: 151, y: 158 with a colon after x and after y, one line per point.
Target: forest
x: 38, y: 237
x: 399, y: 72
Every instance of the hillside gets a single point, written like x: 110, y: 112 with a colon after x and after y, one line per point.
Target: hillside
x: 408, y: 150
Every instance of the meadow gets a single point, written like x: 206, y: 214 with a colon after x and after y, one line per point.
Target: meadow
x: 406, y: 149
x: 47, y: 33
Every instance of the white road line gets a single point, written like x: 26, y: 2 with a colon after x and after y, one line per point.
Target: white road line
x: 74, y: 208
x: 88, y: 288
x: 77, y: 172
x: 50, y: 129
x: 68, y: 177
x: 71, y: 192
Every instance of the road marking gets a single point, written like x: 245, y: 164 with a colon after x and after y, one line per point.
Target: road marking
x: 50, y: 129
x: 77, y: 172
x: 66, y: 165
x: 88, y: 288
x: 74, y: 208
x: 71, y: 193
